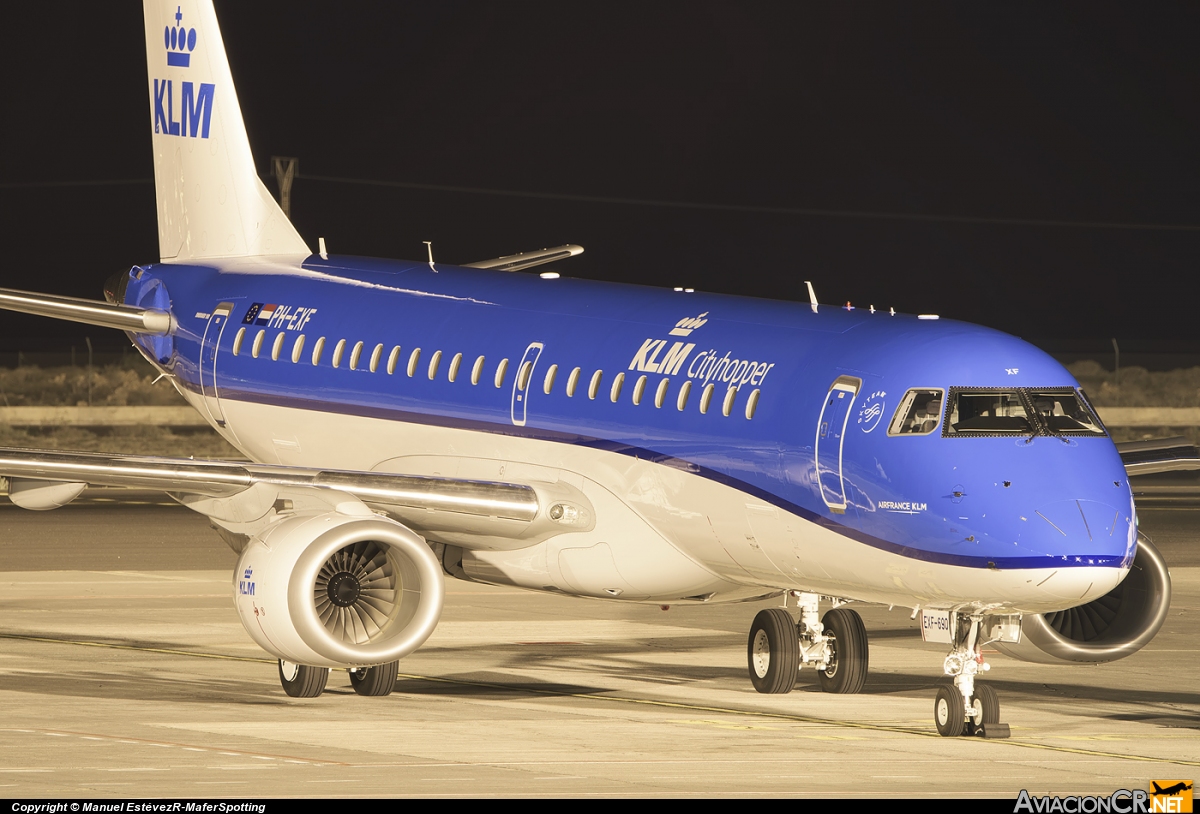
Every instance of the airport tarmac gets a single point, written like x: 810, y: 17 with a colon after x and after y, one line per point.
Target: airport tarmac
x: 125, y: 672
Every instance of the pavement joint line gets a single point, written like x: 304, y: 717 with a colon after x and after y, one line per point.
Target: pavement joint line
x: 779, y: 716
x: 161, y: 650
x: 64, y: 733
x: 783, y: 716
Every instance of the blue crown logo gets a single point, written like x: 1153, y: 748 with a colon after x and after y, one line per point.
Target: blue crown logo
x: 179, y: 42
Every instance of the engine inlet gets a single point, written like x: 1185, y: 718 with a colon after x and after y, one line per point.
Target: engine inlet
x: 355, y: 592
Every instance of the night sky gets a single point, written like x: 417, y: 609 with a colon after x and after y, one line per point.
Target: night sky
x: 1032, y: 167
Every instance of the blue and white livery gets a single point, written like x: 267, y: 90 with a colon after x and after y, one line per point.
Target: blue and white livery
x: 412, y: 420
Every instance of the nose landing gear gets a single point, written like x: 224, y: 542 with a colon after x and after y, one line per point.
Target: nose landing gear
x: 967, y: 708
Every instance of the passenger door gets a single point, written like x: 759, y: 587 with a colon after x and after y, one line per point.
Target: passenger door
x: 522, y: 382
x: 831, y: 435
x: 208, y: 360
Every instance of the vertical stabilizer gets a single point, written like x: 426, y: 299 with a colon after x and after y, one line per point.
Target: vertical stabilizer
x: 211, y: 202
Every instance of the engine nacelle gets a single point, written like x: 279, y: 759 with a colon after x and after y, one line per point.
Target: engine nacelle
x: 1116, y: 625
x: 338, y: 590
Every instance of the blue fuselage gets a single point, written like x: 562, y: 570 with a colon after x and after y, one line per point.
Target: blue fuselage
x: 1032, y: 500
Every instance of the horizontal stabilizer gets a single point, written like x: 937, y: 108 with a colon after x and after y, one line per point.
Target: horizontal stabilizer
x: 525, y: 260
x: 90, y: 312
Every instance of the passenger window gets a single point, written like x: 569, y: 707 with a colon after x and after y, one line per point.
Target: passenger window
x: 393, y: 358
x: 455, y: 364
x: 614, y: 392
x: 1061, y: 412
x: 434, y: 361
x: 356, y: 355
x: 257, y: 346
x: 684, y: 392
x: 501, y: 371
x: 594, y: 385
x: 523, y: 377
x: 276, y: 347
x: 987, y: 412
x: 477, y: 371
x: 639, y: 388
x: 413, y: 360
x: 918, y: 413
x: 297, y: 349
x: 572, y: 383
x: 660, y: 395
x: 548, y: 384
x: 317, y: 348
x: 375, y: 355
x: 706, y: 398
x: 752, y: 404
x: 727, y: 406
x: 237, y: 341
x: 338, y: 350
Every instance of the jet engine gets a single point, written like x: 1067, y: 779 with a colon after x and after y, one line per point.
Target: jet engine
x: 1112, y: 627
x: 338, y: 590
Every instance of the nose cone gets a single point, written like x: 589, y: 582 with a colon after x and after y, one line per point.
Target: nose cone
x: 1082, y: 525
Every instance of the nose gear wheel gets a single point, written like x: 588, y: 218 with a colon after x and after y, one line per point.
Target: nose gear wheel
x: 949, y: 712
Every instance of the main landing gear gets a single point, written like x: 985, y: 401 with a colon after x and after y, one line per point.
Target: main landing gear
x: 967, y: 707
x: 305, y: 681
x: 836, y: 647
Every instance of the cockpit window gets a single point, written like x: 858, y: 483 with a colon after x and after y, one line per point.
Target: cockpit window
x: 1019, y: 411
x: 1062, y: 411
x: 918, y: 413
x: 987, y: 412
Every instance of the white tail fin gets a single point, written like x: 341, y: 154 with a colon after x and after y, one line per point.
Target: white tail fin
x: 211, y: 202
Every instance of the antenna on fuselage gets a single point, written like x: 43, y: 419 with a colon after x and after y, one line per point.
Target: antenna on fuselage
x: 321, y: 248
x: 812, y: 296
x: 429, y: 248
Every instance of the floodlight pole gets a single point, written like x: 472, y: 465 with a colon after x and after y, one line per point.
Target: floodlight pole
x: 285, y: 170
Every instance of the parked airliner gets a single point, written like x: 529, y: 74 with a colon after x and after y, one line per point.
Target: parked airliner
x: 408, y: 421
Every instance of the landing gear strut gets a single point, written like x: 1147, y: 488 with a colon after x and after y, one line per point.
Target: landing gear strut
x: 967, y: 707
x: 836, y: 647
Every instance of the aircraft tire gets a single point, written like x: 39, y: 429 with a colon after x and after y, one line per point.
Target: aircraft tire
x: 987, y: 706
x: 848, y: 671
x: 949, y: 712
x: 773, y: 651
x: 375, y: 681
x: 302, y: 680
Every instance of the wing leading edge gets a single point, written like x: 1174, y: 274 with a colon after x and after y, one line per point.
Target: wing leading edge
x: 244, y: 498
x: 91, y: 312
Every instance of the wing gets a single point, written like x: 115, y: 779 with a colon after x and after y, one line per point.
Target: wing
x: 91, y: 312
x: 525, y: 260
x: 244, y: 498
x: 1159, y: 455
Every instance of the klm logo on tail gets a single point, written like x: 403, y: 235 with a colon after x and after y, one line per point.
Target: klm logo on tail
x: 195, y: 105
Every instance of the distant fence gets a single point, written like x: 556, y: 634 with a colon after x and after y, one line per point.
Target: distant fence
x: 187, y: 417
